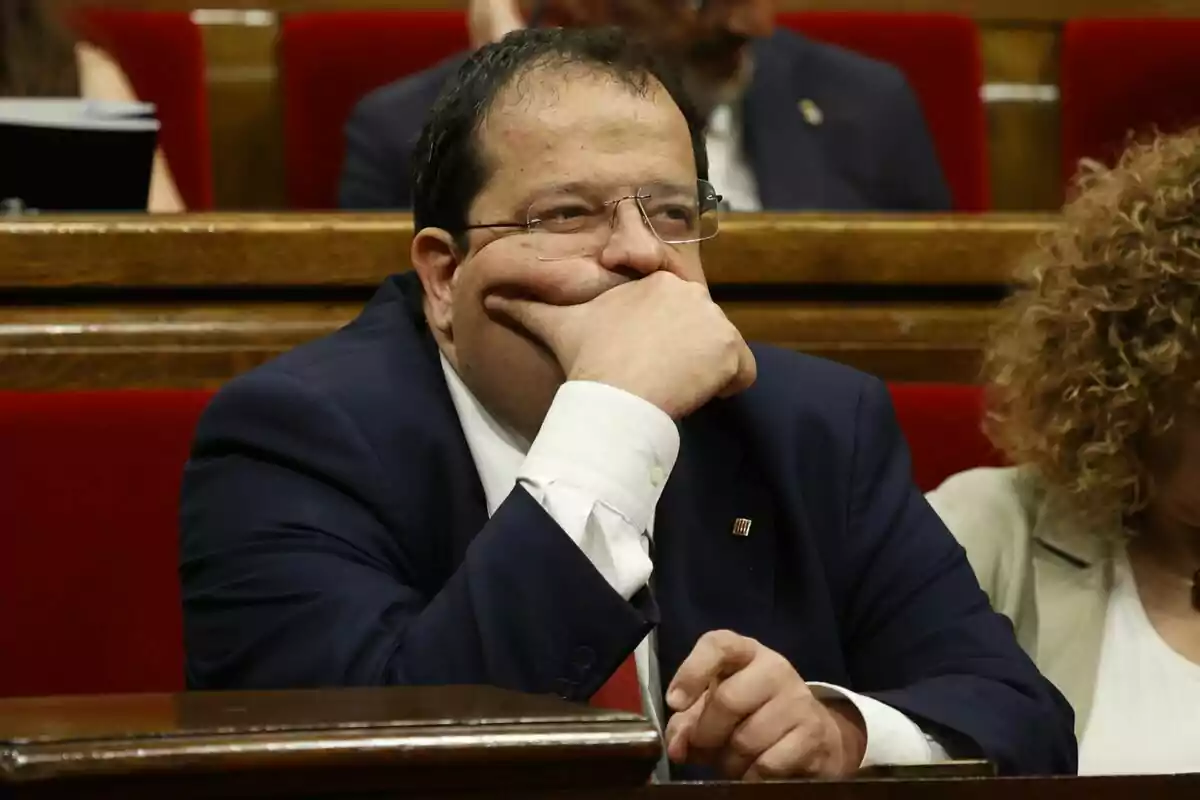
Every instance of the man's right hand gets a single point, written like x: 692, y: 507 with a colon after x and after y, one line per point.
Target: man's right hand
x: 660, y: 337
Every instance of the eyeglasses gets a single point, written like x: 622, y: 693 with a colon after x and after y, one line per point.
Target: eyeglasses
x: 574, y: 227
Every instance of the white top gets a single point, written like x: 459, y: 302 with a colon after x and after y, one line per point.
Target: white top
x: 728, y: 169
x: 598, y: 466
x: 1146, y: 713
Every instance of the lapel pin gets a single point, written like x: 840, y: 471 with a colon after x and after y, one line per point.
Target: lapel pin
x: 741, y: 527
x: 812, y: 112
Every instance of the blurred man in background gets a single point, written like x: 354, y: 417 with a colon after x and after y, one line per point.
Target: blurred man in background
x: 792, y: 123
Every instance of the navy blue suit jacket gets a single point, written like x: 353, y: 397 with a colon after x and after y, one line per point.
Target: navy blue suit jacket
x: 872, y: 152
x: 335, y: 533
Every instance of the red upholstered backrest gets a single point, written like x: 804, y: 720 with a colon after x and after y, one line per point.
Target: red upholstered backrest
x: 162, y: 54
x: 940, y: 56
x: 1123, y: 75
x: 942, y: 423
x: 328, y: 61
x: 89, y: 486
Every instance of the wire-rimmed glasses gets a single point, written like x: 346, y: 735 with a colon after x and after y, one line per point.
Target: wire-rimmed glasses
x: 571, y: 226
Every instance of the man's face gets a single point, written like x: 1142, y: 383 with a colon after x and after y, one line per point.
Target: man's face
x: 559, y: 140
x: 717, y: 55
x: 711, y: 37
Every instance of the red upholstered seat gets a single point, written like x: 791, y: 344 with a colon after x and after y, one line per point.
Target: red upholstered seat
x: 940, y: 56
x: 89, y: 485
x: 329, y: 60
x: 1126, y: 75
x: 942, y: 423
x: 163, y: 56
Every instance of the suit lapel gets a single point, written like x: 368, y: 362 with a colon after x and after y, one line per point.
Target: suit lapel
x: 706, y: 576
x: 781, y: 147
x: 459, y: 494
x: 1073, y: 575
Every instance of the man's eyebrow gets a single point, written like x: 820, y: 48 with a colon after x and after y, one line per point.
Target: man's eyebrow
x: 573, y: 187
x: 670, y: 188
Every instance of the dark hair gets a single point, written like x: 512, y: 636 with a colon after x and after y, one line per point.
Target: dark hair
x: 448, y: 166
x: 37, y: 57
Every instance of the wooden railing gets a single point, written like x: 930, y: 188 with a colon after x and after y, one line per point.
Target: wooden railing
x: 192, y: 301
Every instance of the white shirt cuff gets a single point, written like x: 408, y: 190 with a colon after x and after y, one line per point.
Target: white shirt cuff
x: 892, y: 738
x: 598, y: 466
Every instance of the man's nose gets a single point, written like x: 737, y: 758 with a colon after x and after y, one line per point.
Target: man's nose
x: 632, y: 245
x: 752, y: 19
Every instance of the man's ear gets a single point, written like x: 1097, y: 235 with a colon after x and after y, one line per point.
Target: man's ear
x: 436, y: 257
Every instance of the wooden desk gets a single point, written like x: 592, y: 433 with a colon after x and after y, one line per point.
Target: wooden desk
x: 430, y: 741
x: 190, y: 302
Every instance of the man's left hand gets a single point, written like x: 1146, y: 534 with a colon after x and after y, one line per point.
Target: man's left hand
x: 743, y: 709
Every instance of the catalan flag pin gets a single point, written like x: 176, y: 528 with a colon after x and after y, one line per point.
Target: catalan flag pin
x: 741, y: 527
x: 812, y: 112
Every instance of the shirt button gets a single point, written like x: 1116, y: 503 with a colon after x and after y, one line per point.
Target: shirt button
x: 657, y: 475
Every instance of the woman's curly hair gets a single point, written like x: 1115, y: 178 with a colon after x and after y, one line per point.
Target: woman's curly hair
x: 1098, y: 351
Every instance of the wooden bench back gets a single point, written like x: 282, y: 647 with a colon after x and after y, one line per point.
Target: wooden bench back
x: 191, y: 301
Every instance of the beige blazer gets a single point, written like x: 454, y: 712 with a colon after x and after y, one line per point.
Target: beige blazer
x: 1041, y: 570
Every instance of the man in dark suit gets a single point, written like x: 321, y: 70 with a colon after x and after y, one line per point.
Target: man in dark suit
x: 792, y: 123
x: 547, y: 461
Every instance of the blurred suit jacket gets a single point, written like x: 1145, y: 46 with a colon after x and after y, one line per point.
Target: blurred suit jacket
x: 872, y: 151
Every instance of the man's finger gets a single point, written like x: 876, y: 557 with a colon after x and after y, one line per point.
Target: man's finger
x: 559, y: 283
x: 757, y: 734
x: 797, y: 753
x: 717, y: 655
x: 540, y: 319
x: 745, y: 376
x: 739, y: 696
x: 679, y: 731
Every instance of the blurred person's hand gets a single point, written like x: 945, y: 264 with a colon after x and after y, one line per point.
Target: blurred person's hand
x: 489, y: 20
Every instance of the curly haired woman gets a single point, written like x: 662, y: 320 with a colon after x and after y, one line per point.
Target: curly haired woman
x: 1092, y: 544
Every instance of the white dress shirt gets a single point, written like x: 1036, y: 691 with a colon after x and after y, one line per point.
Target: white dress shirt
x: 598, y: 466
x: 1146, y: 714
x: 728, y: 169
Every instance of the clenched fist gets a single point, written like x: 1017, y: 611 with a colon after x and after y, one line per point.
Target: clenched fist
x: 743, y: 709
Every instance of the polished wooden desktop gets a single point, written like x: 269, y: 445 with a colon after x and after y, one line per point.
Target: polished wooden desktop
x: 446, y: 743
x: 430, y: 741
